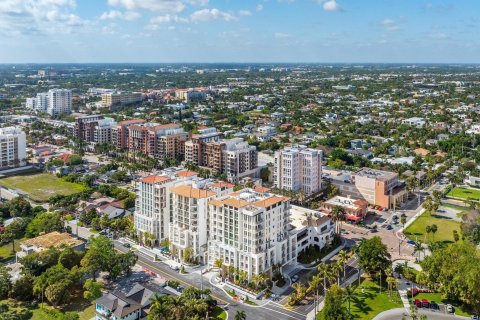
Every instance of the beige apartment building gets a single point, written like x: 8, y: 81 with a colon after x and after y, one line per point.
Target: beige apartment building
x: 120, y: 98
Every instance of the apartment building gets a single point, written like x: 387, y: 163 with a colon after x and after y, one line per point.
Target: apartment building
x: 195, y: 147
x: 153, y: 212
x: 53, y: 102
x: 164, y: 141
x: 189, y: 225
x: 120, y: 134
x: 233, y: 157
x: 249, y: 230
x: 59, y: 102
x: 298, y: 168
x: 12, y: 148
x: 191, y: 94
x: 115, y: 99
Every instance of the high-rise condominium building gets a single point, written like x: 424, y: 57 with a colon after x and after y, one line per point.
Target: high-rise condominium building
x: 195, y: 147
x: 298, y: 169
x: 120, y: 98
x: 59, y: 102
x: 233, y: 157
x: 12, y: 148
x: 249, y: 230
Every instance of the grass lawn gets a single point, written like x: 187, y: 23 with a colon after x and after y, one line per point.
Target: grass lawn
x: 218, y: 314
x: 465, y: 193
x: 437, y: 297
x: 41, y: 186
x: 6, y: 250
x: 444, y: 232
x: 367, y: 304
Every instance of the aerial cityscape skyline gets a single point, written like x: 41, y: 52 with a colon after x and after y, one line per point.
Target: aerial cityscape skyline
x: 395, y: 31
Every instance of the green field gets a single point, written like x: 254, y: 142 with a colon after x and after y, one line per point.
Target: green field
x: 444, y: 232
x: 219, y: 314
x: 465, y: 193
x: 6, y: 252
x: 369, y: 302
x: 41, y: 186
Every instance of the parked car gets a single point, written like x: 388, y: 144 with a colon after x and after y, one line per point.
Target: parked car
x: 389, y: 227
x: 434, y: 305
x: 295, y: 278
x: 450, y: 308
x: 126, y: 245
x: 474, y: 317
x: 425, y: 303
x: 418, y: 304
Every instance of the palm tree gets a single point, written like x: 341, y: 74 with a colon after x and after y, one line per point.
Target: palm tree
x: 343, y: 257
x: 418, y: 248
x: 336, y: 268
x: 218, y: 263
x: 314, y: 286
x: 338, y: 214
x: 240, y: 315
x: 349, y: 293
x: 428, y: 229
x: 325, y: 272
x: 433, y: 229
x: 160, y: 308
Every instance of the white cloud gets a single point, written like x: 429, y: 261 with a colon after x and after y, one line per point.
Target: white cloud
x: 115, y: 14
x: 281, y: 35
x: 24, y: 17
x: 198, y: 2
x: 169, y: 6
x: 168, y: 18
x: 259, y: 7
x: 440, y: 36
x: 244, y: 13
x: 211, y: 14
x: 389, y: 25
x: 387, y: 22
x: 331, y: 5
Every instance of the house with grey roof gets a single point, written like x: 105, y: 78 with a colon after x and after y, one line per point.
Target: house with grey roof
x: 133, y: 305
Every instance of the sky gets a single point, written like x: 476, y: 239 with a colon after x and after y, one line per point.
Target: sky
x: 323, y: 31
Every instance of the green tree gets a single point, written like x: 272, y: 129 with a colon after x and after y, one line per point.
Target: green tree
x: 374, y: 256
x: 240, y: 315
x: 93, y: 290
x: 44, y: 222
x: 58, y: 292
x: 5, y: 282
x: 19, y: 207
x: 334, y: 308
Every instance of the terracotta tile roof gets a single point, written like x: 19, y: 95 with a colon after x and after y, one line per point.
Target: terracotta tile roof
x: 132, y: 121
x: 421, y: 151
x: 190, y: 192
x: 155, y: 179
x: 186, y: 173
x: 53, y: 239
x: 270, y: 201
x: 223, y: 184
x: 261, y: 189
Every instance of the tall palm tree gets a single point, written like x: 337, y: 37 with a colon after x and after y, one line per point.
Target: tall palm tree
x: 344, y: 256
x: 159, y: 308
x: 418, y: 248
x: 428, y: 229
x: 336, y: 268
x: 433, y: 229
x: 325, y: 272
x: 338, y: 215
x: 349, y: 294
x: 314, y: 286
x: 240, y: 315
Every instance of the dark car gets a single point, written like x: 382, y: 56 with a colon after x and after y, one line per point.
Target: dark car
x: 127, y: 245
x: 389, y: 227
x: 418, y: 304
x: 434, y: 305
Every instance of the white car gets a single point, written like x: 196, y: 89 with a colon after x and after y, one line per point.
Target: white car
x: 295, y: 278
x: 449, y: 308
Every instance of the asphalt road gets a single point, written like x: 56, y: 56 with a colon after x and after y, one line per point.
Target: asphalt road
x: 270, y: 311
x: 395, y: 314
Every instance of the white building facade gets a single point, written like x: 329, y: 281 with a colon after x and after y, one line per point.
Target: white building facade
x: 298, y: 169
x: 12, y: 148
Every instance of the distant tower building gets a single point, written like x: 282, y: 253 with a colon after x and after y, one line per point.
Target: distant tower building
x: 298, y: 168
x: 59, y: 101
